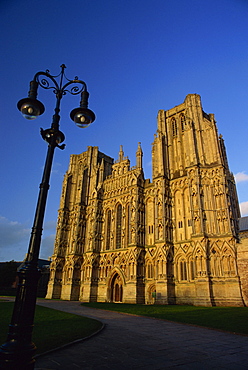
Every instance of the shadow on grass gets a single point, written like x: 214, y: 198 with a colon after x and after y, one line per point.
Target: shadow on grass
x: 52, y: 328
x: 231, y: 319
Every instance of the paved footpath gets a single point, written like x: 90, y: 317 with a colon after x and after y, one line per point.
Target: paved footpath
x: 132, y: 342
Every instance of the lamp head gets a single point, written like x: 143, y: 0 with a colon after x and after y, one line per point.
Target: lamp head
x: 50, y: 134
x: 83, y: 117
x: 30, y: 108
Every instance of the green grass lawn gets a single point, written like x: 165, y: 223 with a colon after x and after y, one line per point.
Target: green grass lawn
x: 52, y: 328
x: 232, y: 319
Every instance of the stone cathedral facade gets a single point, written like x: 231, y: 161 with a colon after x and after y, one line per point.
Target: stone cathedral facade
x: 172, y: 240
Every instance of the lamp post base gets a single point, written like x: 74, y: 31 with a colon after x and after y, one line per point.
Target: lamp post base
x: 18, y: 351
x: 17, y: 356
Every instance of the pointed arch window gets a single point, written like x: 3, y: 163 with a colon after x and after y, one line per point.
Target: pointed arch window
x: 108, y: 229
x: 174, y: 127
x: 118, y: 225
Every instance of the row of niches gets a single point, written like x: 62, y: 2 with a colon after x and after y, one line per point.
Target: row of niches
x: 180, y: 270
x: 122, y: 182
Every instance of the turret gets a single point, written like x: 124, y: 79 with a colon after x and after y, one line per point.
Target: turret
x: 139, y: 155
x: 101, y: 175
x: 121, y: 154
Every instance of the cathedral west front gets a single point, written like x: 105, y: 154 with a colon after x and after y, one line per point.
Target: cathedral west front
x: 172, y: 240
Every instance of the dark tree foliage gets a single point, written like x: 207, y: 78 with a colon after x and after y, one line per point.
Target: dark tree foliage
x: 8, y: 273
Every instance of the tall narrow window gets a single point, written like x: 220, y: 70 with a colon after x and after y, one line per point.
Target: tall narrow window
x: 174, y: 127
x: 85, y: 186
x: 150, y: 271
x: 118, y: 226
x: 183, y: 270
x: 192, y: 267
x: 183, y: 121
x: 108, y: 229
x: 68, y: 192
x: 127, y: 224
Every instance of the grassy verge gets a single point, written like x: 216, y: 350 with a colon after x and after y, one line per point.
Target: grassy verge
x: 52, y: 328
x: 232, y: 319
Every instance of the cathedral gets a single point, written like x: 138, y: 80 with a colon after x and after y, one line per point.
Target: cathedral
x: 173, y: 239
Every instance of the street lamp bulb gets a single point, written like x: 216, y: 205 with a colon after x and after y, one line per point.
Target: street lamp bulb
x: 83, y: 117
x: 82, y: 120
x: 30, y: 108
x: 29, y: 111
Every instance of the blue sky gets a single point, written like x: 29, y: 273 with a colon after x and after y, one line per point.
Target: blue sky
x: 136, y: 56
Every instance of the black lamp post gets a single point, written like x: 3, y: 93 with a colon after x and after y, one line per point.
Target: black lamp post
x: 17, y: 353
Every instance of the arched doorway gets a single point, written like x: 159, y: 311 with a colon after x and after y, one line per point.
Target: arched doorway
x: 116, y: 287
x: 151, y: 294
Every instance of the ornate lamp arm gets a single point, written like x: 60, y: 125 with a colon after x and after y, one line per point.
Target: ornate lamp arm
x: 32, y: 108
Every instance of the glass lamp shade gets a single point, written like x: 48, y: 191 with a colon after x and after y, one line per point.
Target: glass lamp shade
x: 83, y: 117
x: 30, y: 108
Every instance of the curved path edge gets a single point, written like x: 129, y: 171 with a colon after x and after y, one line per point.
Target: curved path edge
x: 138, y: 342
